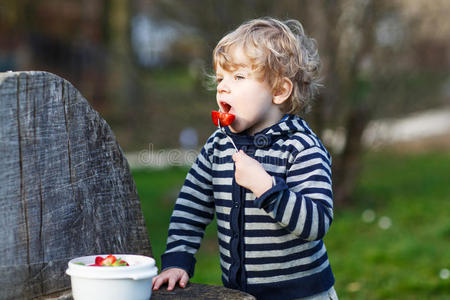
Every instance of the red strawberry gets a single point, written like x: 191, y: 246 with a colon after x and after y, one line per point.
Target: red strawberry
x: 224, y: 118
x: 108, y: 261
x: 98, y: 260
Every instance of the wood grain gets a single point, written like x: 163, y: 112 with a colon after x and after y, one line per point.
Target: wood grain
x: 194, y: 291
x: 65, y: 187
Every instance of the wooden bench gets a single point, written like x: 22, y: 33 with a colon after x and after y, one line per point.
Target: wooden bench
x: 66, y: 191
x: 193, y: 291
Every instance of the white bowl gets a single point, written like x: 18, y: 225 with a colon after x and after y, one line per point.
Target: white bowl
x: 133, y: 282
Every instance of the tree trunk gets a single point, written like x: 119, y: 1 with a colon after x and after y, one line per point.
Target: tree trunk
x: 348, y: 164
x: 65, y: 186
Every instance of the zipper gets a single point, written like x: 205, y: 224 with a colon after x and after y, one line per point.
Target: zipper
x: 243, y: 275
x: 235, y: 242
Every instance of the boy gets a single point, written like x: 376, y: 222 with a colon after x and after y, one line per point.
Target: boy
x: 273, y: 198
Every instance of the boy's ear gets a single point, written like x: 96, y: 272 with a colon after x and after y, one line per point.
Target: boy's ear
x: 283, y: 92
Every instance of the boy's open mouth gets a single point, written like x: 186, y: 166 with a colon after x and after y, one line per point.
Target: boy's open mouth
x: 225, y: 107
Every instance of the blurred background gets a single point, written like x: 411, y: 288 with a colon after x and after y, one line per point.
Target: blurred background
x: 384, y: 113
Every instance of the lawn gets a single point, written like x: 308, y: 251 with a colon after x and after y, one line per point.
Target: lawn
x: 392, y: 244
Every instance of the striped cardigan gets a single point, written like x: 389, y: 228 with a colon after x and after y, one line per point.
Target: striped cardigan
x: 270, y: 246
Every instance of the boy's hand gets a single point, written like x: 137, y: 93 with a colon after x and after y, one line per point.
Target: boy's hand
x: 172, y: 275
x: 251, y: 174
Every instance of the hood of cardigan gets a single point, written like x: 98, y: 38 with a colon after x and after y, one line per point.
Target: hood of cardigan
x: 288, y: 126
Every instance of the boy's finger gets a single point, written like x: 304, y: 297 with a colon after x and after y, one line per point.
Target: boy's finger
x: 171, y: 284
x: 157, y: 282
x: 236, y: 155
x: 184, y: 279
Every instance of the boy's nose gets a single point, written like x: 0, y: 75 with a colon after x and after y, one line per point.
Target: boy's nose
x: 222, y: 87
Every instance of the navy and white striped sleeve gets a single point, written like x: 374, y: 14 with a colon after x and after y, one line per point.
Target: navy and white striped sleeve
x: 303, y: 203
x: 193, y: 211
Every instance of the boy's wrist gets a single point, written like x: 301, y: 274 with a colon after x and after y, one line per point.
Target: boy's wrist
x: 263, y: 185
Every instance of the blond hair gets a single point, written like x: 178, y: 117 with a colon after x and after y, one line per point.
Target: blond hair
x: 276, y: 49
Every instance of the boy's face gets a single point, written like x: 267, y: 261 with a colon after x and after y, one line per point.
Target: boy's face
x: 241, y: 92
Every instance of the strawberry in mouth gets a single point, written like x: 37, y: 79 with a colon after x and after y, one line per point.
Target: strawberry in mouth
x: 224, y: 118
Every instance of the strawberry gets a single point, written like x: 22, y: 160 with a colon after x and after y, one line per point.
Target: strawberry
x: 98, y: 260
x: 224, y: 118
x: 108, y: 261
x: 119, y: 263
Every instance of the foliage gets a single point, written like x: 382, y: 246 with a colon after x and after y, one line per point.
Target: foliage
x: 407, y: 195
x: 367, y: 55
x: 380, y: 58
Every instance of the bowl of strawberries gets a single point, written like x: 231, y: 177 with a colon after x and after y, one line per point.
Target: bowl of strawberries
x: 111, y: 277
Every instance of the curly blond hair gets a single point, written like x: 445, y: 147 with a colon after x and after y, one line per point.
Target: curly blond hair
x: 276, y: 49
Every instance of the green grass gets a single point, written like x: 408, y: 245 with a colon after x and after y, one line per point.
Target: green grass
x: 401, y: 262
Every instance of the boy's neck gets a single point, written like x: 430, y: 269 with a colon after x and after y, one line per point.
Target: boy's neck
x: 275, y: 118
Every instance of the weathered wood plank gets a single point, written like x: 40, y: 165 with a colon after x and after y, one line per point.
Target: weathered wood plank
x: 65, y: 186
x: 193, y: 291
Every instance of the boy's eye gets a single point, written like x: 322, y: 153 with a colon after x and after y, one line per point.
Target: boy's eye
x: 239, y: 77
